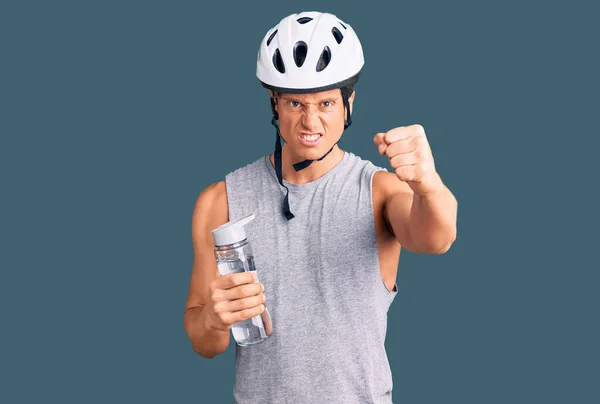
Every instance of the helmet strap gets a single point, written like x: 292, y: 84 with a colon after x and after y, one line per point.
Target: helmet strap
x: 278, y: 168
x: 348, y: 120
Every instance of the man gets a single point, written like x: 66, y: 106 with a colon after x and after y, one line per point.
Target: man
x: 327, y: 234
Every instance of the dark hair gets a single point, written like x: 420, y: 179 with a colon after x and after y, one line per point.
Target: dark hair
x: 349, y: 87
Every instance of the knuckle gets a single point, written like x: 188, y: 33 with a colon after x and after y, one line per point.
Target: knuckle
x: 221, y: 307
x: 250, y: 302
x: 237, y: 305
x: 215, y: 296
x: 390, y: 150
x: 232, y: 281
x: 402, y: 172
x: 222, y: 318
x: 246, y: 290
x: 387, y: 137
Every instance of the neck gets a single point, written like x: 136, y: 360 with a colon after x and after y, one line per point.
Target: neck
x: 315, y: 170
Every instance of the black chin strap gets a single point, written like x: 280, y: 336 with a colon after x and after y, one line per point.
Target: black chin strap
x: 348, y: 121
x: 286, y: 204
x: 303, y: 164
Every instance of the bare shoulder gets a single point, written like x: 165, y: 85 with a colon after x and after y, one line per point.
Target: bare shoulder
x: 211, y: 208
x: 386, y: 184
x: 212, y: 203
x: 210, y: 212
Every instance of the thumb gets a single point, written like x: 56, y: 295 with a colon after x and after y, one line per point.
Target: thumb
x: 380, y: 142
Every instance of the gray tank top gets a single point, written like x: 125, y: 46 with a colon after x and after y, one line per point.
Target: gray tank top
x: 324, y: 292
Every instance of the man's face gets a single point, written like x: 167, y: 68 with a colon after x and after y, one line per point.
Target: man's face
x: 301, y: 116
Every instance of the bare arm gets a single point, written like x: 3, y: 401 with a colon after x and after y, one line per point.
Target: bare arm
x: 206, y: 341
x: 433, y: 220
x: 210, y: 212
x: 420, y: 224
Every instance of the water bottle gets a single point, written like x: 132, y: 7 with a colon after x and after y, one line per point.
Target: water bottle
x: 234, y: 254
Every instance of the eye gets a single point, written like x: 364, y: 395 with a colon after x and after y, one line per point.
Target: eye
x: 327, y: 104
x: 294, y: 104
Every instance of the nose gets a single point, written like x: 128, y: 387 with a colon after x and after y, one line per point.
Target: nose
x: 310, y: 120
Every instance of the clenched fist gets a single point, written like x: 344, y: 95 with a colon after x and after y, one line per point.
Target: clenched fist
x: 410, y: 156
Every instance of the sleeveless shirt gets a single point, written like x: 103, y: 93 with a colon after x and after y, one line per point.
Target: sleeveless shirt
x: 324, y: 292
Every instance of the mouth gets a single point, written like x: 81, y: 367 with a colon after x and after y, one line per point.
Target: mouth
x: 309, y: 139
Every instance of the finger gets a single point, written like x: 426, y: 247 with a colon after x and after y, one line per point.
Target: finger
x: 397, y: 134
x: 413, y: 172
x: 240, y: 304
x: 407, y: 159
x: 243, y: 291
x: 380, y: 142
x: 404, y: 146
x: 237, y: 316
x: 417, y: 130
x: 232, y: 280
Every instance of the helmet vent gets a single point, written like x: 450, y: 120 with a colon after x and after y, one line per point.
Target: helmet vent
x: 304, y: 20
x: 342, y: 24
x: 278, y: 62
x: 271, y: 37
x: 300, y: 50
x: 324, y: 59
x: 337, y: 34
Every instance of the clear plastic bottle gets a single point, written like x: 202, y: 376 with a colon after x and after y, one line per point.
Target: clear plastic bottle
x: 234, y: 254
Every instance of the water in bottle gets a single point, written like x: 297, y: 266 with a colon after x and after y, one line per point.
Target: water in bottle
x: 234, y: 254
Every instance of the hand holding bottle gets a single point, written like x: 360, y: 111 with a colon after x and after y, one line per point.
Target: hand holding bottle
x: 236, y: 297
x: 236, y: 301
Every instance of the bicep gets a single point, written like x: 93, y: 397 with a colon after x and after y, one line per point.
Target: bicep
x: 210, y: 211
x: 398, y: 199
x: 396, y: 212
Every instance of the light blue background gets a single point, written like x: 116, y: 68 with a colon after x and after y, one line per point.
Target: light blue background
x: 114, y: 116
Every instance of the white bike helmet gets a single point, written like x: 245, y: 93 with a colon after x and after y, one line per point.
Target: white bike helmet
x: 308, y: 52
